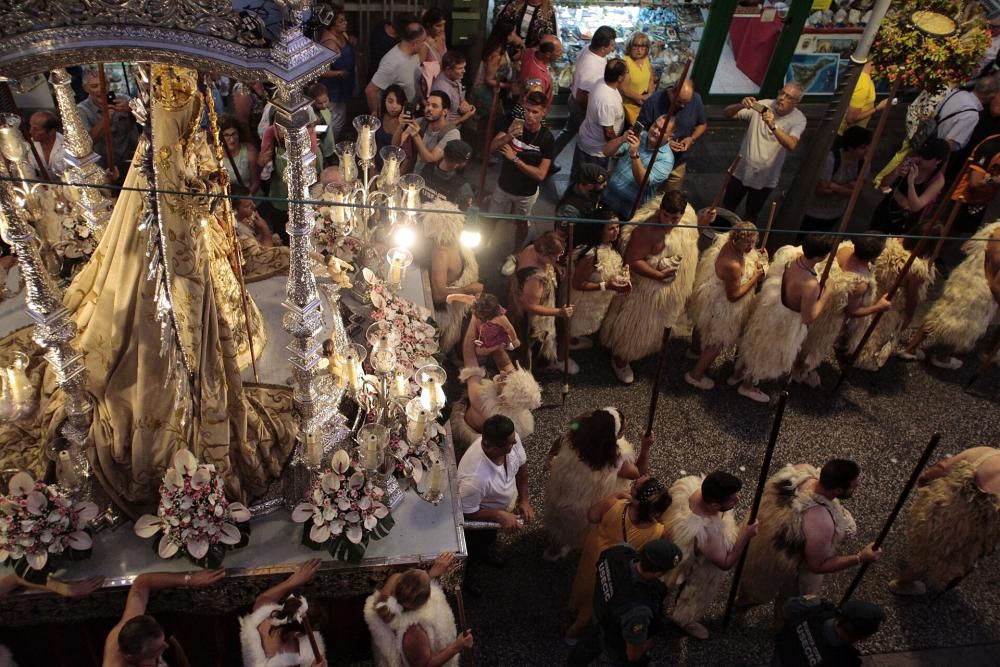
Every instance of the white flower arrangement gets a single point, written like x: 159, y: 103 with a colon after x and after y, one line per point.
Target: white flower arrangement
x: 417, y: 337
x: 194, y: 517
x: 343, y: 511
x: 40, y: 525
x: 331, y: 236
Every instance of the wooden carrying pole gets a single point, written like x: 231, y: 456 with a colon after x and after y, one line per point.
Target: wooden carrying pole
x: 887, y: 526
x: 725, y: 182
x: 671, y: 110
x: 312, y: 638
x: 660, y: 364
x: 566, y: 336
x: 852, y: 202
x: 770, y: 223
x: 878, y: 316
x: 462, y: 623
x: 490, y: 122
x: 765, y: 470
x: 180, y: 657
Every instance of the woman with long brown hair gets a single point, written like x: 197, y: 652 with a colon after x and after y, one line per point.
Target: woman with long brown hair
x: 590, y: 461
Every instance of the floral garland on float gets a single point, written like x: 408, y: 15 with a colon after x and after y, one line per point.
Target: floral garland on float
x: 416, y: 336
x: 930, y: 44
x: 194, y: 518
x: 343, y: 511
x: 40, y: 527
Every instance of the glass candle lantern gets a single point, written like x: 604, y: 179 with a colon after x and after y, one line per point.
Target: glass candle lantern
x: 382, y: 339
x: 348, y: 166
x: 366, y: 127
x: 352, y: 373
x: 431, y: 379
x: 399, y: 259
x: 392, y: 158
x: 417, y: 419
x: 372, y: 441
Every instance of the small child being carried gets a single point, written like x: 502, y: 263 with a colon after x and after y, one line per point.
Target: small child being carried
x: 495, y: 335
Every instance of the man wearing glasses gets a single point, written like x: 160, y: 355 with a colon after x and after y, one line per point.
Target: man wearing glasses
x: 689, y: 123
x: 773, y: 131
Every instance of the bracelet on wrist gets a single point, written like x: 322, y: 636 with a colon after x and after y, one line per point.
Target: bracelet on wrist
x: 634, y: 156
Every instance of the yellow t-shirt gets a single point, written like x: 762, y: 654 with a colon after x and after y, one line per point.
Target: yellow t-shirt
x: 862, y: 98
x: 638, y: 83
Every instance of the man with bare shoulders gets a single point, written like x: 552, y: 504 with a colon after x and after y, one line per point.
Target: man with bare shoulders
x: 787, y: 304
x: 453, y: 270
x: 963, y: 313
x: 724, y: 286
x: 700, y: 523
x: 138, y: 640
x: 850, y: 291
x: 662, y: 255
x: 954, y: 522
x: 802, y: 525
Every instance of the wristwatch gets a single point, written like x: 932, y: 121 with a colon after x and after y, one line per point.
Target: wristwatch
x: 634, y: 156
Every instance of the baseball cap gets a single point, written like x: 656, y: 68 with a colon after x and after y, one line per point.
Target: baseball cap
x: 591, y: 174
x: 662, y: 554
x: 457, y: 150
x: 864, y: 617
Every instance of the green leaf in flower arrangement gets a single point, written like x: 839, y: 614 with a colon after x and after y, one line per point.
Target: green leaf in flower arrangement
x: 26, y: 572
x: 383, y: 527
x: 244, y: 529
x: 306, y: 541
x: 213, y: 559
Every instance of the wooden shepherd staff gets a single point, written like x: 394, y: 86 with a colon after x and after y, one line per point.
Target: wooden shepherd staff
x: 566, y: 336
x: 725, y: 182
x: 312, y: 638
x: 770, y: 222
x: 765, y: 469
x: 671, y: 110
x: 180, y: 657
x: 106, y: 120
x: 462, y: 622
x: 490, y: 122
x: 878, y: 316
x: 660, y: 364
x: 852, y: 202
x: 903, y: 495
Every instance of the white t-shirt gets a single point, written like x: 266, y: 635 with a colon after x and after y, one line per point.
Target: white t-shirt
x: 588, y: 72
x: 484, y: 485
x: 604, y: 109
x: 762, y: 155
x: 963, y: 107
x: 399, y: 68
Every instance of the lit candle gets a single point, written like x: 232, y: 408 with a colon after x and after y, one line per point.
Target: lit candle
x: 396, y: 271
x: 354, y: 372
x: 432, y: 396
x: 67, y: 473
x: 365, y: 151
x: 402, y: 386
x: 416, y: 427
x: 15, y: 388
x: 437, y: 479
x: 314, y: 450
x: 371, y: 451
x: 390, y: 172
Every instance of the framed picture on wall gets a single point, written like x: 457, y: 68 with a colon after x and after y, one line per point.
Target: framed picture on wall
x: 815, y: 72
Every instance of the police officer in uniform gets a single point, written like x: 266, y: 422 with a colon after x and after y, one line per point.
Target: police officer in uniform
x: 817, y: 634
x: 628, y: 604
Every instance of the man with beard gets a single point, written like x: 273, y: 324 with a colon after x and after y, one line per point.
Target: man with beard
x: 803, y: 523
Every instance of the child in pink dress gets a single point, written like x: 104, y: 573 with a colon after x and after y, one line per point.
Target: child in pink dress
x: 495, y: 334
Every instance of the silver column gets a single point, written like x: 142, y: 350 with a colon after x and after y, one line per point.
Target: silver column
x: 81, y: 159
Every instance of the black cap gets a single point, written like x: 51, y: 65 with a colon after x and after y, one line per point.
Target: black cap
x: 662, y: 554
x: 591, y: 174
x: 457, y: 150
x: 864, y: 617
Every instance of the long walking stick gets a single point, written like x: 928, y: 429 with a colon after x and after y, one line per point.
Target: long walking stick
x: 569, y: 282
x: 878, y: 316
x: 765, y: 469
x: 725, y: 182
x: 671, y: 110
x: 313, y: 644
x: 903, y: 495
x: 490, y: 122
x: 462, y: 623
x: 770, y: 221
x: 852, y: 202
x: 660, y: 364
x: 991, y: 354
x: 180, y: 657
